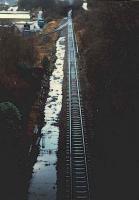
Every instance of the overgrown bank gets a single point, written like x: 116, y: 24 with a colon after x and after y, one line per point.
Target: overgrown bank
x: 26, y: 64
x: 107, y: 37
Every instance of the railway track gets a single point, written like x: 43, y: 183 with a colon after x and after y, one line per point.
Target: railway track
x: 77, y: 178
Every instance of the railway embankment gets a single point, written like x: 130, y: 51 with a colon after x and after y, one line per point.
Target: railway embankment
x: 26, y: 85
x: 107, y: 38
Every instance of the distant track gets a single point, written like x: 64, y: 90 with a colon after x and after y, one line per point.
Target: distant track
x: 77, y: 180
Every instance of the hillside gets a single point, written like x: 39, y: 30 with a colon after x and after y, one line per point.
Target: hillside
x: 108, y: 40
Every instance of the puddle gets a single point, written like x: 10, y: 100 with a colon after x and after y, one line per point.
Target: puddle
x: 85, y: 6
x: 43, y: 181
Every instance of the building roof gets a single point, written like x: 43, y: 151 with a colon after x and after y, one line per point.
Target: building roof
x: 14, y: 12
x: 15, y: 15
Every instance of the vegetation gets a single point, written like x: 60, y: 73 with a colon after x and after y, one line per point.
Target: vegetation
x: 46, y: 65
x: 3, y: 7
x: 15, y: 49
x: 25, y: 66
x: 90, y: 3
x: 10, y: 137
x: 108, y: 36
x: 10, y: 119
x: 52, y: 7
x: 44, y: 4
x: 111, y: 42
x: 17, y: 92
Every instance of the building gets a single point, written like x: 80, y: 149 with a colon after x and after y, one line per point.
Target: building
x: 14, y: 16
x: 8, y: 2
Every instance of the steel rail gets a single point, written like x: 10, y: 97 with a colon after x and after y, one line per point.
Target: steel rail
x: 78, y: 110
x: 81, y: 117
x: 69, y: 62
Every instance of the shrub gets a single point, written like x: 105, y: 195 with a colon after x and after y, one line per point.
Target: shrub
x: 10, y: 119
x: 46, y: 65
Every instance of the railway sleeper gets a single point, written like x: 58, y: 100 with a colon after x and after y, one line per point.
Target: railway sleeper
x: 75, y: 153
x: 78, y: 149
x: 80, y: 169
x: 81, y: 188
x: 77, y: 145
x: 76, y: 136
x: 81, y: 197
x: 74, y: 142
x: 79, y: 172
x: 76, y: 127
